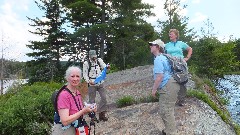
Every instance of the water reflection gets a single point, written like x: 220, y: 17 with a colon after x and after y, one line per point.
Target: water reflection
x: 230, y: 85
x: 9, y: 83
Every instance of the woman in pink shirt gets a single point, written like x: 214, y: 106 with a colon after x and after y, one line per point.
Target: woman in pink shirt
x: 70, y: 105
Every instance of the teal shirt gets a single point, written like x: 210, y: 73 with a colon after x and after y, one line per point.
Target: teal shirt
x: 176, y: 48
x: 162, y: 65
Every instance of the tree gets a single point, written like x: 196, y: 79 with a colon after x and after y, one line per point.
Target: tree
x: 47, y: 53
x: 213, y: 58
x: 88, y: 20
x: 175, y: 21
x: 99, y: 25
x: 129, y: 33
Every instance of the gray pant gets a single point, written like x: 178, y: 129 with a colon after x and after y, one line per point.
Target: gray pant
x: 183, y: 90
x: 92, y: 90
x: 182, y: 93
x: 167, y: 100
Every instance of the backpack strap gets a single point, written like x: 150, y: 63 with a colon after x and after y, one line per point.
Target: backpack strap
x: 56, y: 94
x: 90, y: 66
x: 79, y: 107
x: 65, y: 88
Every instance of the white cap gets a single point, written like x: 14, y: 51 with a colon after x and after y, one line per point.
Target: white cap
x: 158, y: 42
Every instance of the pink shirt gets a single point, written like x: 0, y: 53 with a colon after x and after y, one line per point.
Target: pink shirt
x: 66, y: 101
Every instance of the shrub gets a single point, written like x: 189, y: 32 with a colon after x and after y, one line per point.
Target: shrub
x: 28, y: 111
x: 125, y: 101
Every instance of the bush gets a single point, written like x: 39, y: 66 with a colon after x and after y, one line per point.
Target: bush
x: 149, y: 99
x: 28, y: 111
x: 125, y: 101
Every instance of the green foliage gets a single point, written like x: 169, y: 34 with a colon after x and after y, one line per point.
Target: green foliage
x: 29, y: 111
x: 175, y: 21
x: 125, y: 101
x: 236, y: 49
x: 47, y: 52
x: 202, y: 96
x: 11, y: 67
x: 212, y: 58
x: 129, y: 100
x: 149, y: 99
x: 130, y: 34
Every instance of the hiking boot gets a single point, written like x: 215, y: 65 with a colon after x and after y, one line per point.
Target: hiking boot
x: 163, y: 132
x: 102, y: 116
x: 180, y: 102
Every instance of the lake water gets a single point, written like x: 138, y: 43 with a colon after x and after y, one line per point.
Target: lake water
x: 230, y: 85
x: 9, y: 83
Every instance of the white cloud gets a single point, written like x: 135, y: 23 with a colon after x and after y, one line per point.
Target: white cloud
x: 198, y: 17
x: 158, y: 10
x: 14, y: 30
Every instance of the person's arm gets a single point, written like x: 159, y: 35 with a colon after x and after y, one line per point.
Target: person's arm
x: 157, y: 83
x: 102, y: 64
x: 189, y: 53
x: 67, y: 119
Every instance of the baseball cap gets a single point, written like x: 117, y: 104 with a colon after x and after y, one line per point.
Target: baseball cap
x: 158, y: 42
x: 92, y: 53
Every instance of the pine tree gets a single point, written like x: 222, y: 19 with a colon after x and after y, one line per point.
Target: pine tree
x: 175, y: 21
x: 130, y: 33
x: 47, y: 53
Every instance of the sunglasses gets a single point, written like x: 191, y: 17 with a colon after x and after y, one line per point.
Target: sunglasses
x: 153, y: 45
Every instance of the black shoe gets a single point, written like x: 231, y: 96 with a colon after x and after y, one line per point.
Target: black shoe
x: 163, y: 132
x: 180, y: 102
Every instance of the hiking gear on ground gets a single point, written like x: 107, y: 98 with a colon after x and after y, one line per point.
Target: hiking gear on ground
x: 102, y: 116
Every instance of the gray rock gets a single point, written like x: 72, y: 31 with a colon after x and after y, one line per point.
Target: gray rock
x: 194, y: 118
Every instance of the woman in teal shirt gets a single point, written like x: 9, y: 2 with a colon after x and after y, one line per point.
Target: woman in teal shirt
x: 176, y: 48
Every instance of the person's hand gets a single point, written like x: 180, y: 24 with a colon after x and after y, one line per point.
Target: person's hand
x: 154, y: 93
x: 91, y: 82
x: 186, y: 59
x: 92, y: 106
x: 88, y: 109
x: 108, y: 66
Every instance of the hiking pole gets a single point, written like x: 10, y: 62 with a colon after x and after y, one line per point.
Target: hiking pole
x: 92, y: 123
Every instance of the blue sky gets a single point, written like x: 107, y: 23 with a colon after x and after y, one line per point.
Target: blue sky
x: 224, y: 15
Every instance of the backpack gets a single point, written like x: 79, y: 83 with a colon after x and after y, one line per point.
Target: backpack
x: 90, y: 65
x: 179, y: 67
x: 54, y: 102
x: 54, y: 97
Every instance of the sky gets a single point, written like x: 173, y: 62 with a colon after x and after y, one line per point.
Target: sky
x: 14, y: 25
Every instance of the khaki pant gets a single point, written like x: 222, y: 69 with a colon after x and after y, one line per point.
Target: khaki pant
x: 57, y: 130
x: 92, y: 91
x: 167, y: 100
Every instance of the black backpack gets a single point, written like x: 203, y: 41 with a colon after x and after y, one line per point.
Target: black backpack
x: 179, y: 67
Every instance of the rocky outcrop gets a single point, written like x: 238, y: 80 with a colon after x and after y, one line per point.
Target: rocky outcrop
x: 194, y: 118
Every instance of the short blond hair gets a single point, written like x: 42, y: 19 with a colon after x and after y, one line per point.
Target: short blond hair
x: 175, y: 31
